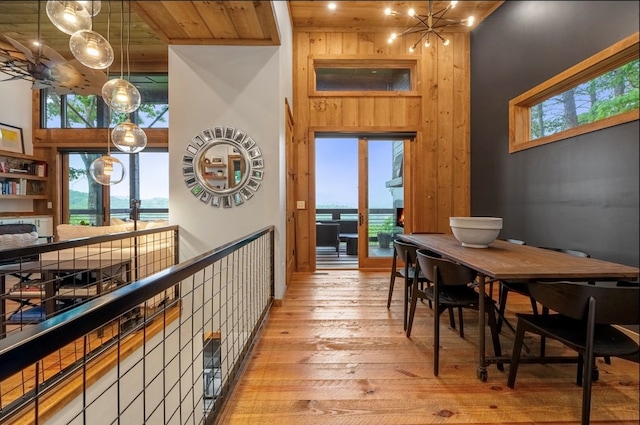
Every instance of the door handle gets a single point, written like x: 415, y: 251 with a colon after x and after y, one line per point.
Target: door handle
x: 360, y: 219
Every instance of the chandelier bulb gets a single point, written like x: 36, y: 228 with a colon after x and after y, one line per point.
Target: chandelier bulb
x: 453, y: 4
x: 411, y: 12
x: 470, y: 21
x: 445, y: 41
x: 387, y: 11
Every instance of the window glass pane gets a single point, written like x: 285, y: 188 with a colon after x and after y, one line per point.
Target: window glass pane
x: 363, y: 79
x: 607, y: 95
x: 120, y: 194
x: 74, y: 111
x: 85, y: 195
x: 154, y: 185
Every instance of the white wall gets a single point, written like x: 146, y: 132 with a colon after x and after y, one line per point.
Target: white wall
x: 243, y: 87
x: 15, y: 107
x: 15, y: 110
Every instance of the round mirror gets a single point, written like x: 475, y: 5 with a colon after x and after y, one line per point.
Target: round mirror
x: 222, y: 166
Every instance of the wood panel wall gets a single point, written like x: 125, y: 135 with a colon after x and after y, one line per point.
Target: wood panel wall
x: 436, y: 162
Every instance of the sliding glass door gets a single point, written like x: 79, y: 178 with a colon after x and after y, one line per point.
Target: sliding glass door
x: 381, y: 199
x: 359, y: 185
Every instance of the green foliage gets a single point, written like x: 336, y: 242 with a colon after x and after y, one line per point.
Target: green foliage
x: 607, y: 95
x: 386, y: 226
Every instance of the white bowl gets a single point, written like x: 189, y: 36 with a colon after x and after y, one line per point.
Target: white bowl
x: 475, y: 232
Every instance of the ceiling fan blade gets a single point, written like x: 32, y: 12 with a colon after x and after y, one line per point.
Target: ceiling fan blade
x: 28, y: 54
x: 91, y: 81
x: 15, y: 77
x: 51, y: 57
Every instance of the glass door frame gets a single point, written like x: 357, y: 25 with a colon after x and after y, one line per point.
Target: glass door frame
x: 365, y: 261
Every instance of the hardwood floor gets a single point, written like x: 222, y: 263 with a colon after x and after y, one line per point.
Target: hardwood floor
x: 333, y: 354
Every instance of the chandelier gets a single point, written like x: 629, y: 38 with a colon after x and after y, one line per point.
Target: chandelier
x: 426, y: 25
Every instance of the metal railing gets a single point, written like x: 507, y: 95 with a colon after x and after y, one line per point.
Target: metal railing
x: 164, y: 349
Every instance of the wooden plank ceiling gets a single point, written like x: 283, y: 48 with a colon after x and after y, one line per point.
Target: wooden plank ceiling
x: 152, y: 25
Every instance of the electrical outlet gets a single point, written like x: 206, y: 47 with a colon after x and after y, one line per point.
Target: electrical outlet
x: 49, y: 205
x: 300, y: 205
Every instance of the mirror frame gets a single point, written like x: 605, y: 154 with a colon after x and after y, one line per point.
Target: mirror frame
x: 199, y: 183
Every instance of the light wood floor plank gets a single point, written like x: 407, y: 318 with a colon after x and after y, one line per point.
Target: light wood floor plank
x: 333, y: 354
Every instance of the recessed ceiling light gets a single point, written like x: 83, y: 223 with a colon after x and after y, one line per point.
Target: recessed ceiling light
x: 332, y: 6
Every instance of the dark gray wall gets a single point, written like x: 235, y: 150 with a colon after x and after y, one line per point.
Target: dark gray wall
x: 579, y: 193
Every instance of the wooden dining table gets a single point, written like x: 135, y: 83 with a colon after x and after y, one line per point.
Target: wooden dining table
x: 502, y: 260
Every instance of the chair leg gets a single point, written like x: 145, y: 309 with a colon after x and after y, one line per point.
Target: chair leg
x: 436, y: 339
x: 412, y: 311
x: 586, y: 388
x: 392, y: 282
x: 545, y: 312
x: 515, y: 355
x: 405, y: 306
x: 394, y: 273
x: 461, y: 323
x: 502, y: 305
x: 452, y: 319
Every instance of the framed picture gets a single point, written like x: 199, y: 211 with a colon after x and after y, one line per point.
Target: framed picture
x: 11, y: 138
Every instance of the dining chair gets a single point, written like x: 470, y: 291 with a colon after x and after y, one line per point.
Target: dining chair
x: 584, y: 319
x: 406, y: 253
x: 450, y: 288
x: 522, y: 289
x: 395, y: 272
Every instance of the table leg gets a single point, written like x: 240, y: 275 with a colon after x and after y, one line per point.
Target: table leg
x: 482, y: 365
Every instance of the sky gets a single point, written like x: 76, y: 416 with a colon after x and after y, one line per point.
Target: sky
x: 153, y: 184
x: 337, y: 173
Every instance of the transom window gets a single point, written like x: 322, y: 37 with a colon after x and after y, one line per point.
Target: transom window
x: 358, y: 75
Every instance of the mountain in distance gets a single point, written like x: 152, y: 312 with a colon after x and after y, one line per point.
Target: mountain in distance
x: 78, y: 200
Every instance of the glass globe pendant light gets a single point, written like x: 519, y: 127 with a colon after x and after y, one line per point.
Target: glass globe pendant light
x: 91, y: 49
x: 121, y: 96
x: 107, y: 170
x: 128, y: 137
x: 92, y: 6
x: 68, y: 16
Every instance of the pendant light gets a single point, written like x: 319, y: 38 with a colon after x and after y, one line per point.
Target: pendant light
x: 107, y: 170
x: 92, y: 6
x: 68, y: 16
x: 128, y: 137
x: 119, y: 94
x: 90, y: 48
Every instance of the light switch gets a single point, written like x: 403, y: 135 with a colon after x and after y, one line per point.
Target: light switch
x: 300, y: 205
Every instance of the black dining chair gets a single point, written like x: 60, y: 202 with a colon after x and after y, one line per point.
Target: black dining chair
x: 406, y: 253
x: 450, y: 288
x: 586, y: 313
x: 522, y: 289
